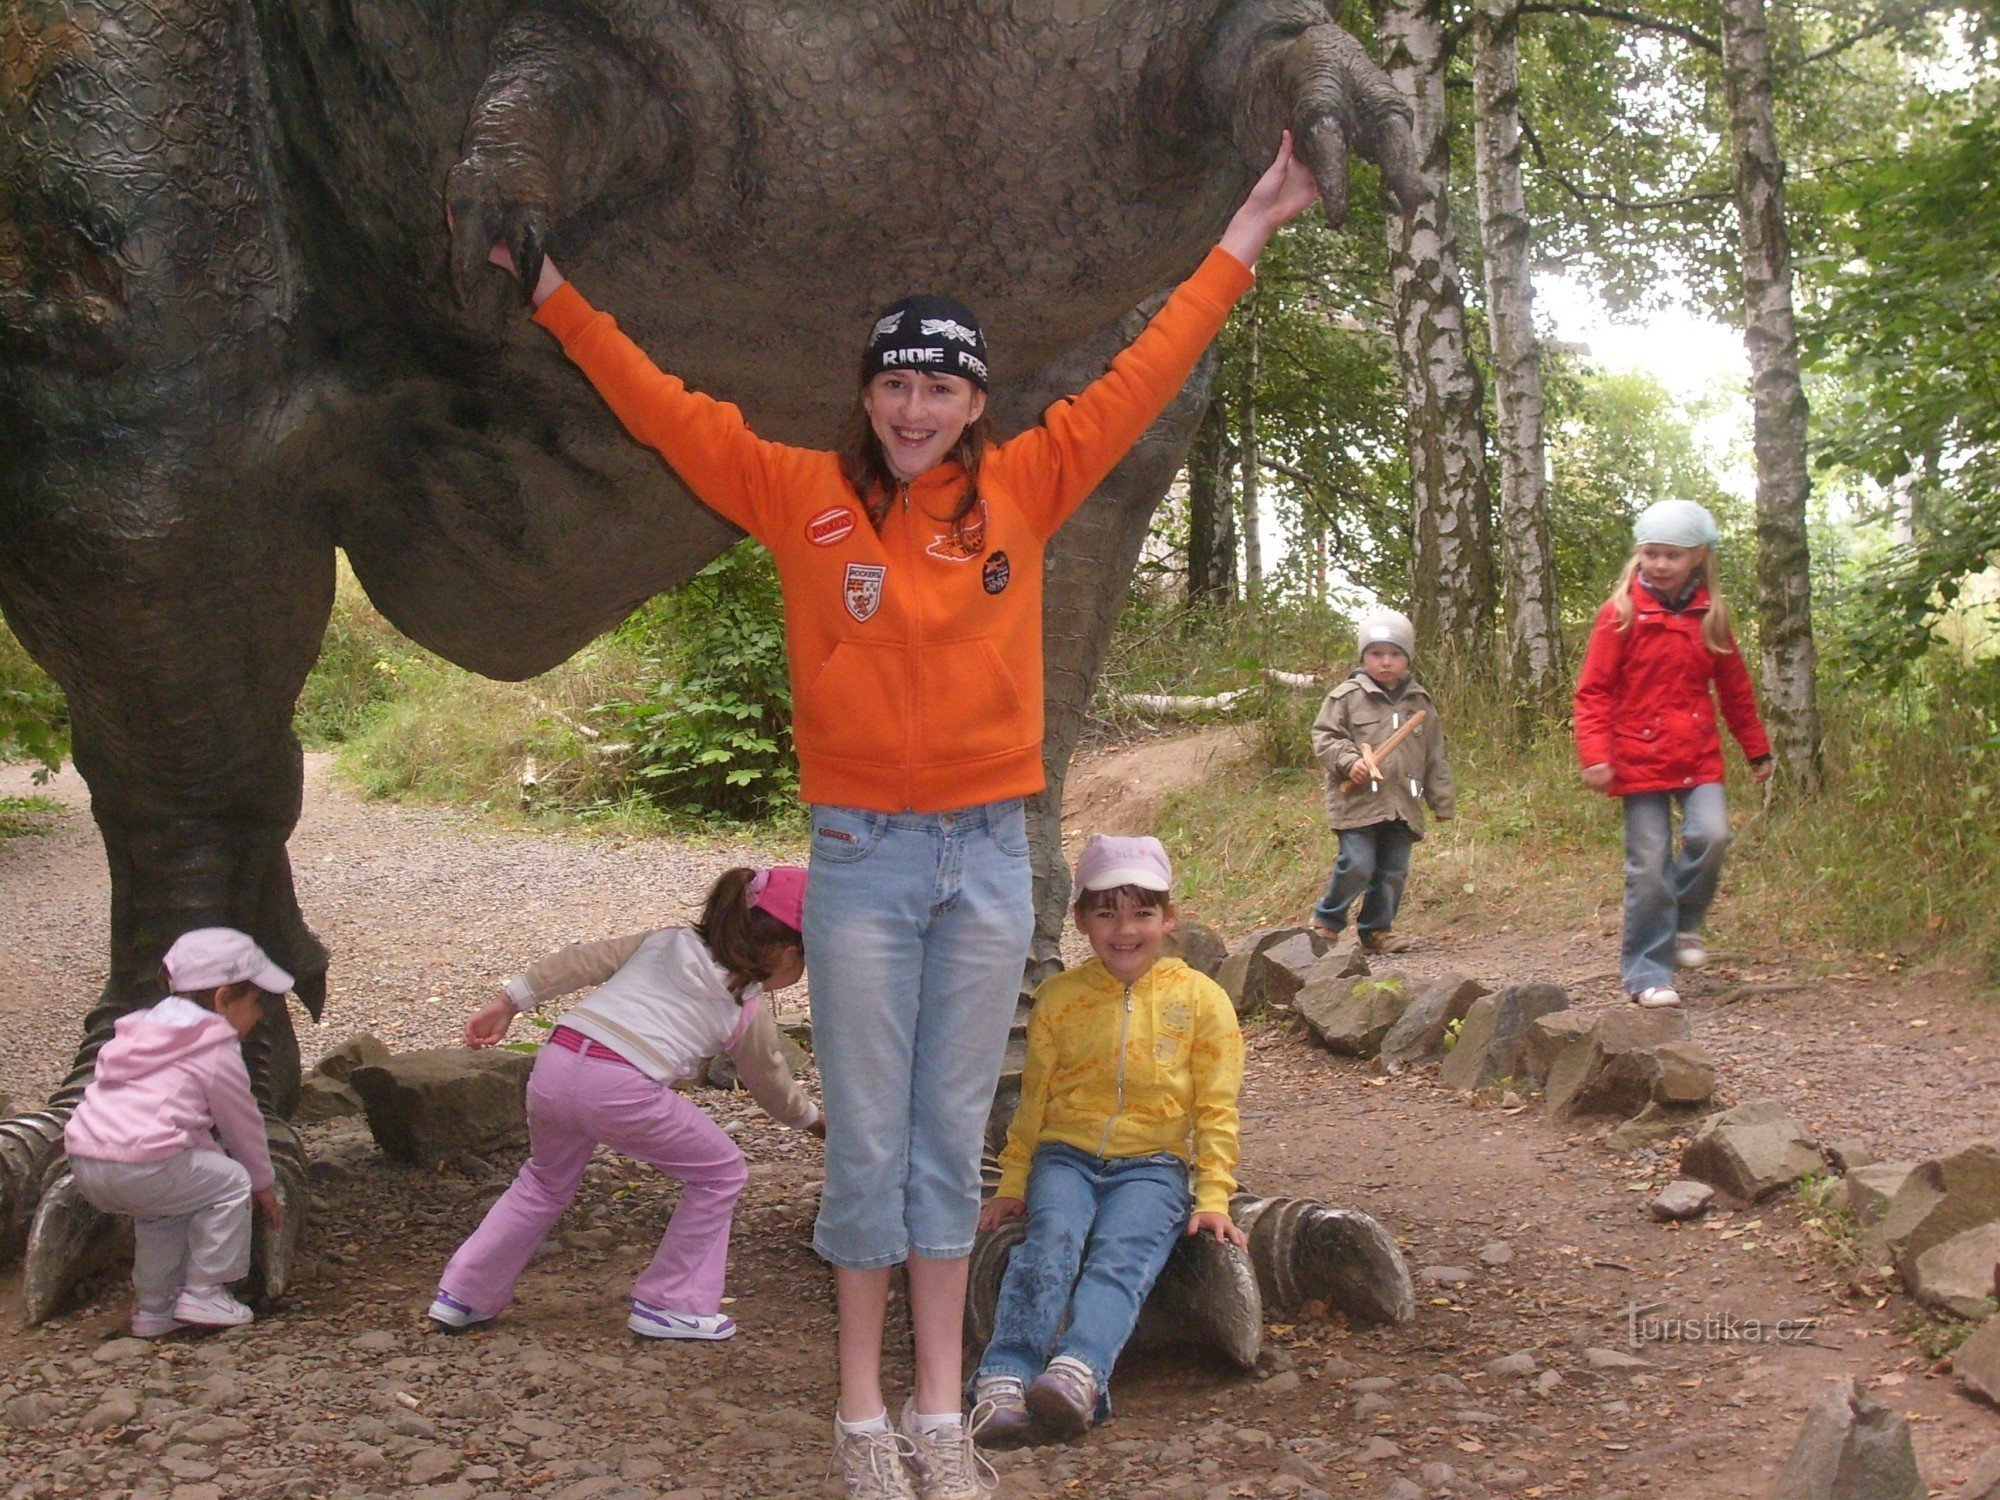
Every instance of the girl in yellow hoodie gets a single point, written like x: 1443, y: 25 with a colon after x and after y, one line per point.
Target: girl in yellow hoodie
x: 1129, y: 1090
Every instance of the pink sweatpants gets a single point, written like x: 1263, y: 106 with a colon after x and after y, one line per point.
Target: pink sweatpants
x: 574, y: 1102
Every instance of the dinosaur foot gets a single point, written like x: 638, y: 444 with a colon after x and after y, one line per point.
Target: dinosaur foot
x: 1307, y: 1252
x: 30, y: 1147
x: 70, y: 1238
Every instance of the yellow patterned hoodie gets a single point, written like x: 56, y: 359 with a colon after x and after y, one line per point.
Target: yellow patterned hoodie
x: 1126, y: 1072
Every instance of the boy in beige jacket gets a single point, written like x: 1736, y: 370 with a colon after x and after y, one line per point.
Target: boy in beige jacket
x: 1379, y: 819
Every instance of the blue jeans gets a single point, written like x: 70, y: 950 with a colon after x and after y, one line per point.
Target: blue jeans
x: 1115, y: 1220
x: 1375, y: 859
x: 1667, y: 893
x: 916, y: 929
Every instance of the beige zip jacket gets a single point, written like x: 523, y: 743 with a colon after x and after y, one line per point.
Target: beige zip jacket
x: 1359, y: 712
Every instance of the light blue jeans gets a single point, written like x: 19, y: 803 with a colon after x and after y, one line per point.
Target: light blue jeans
x: 1665, y: 892
x: 1114, y: 1220
x: 916, y: 929
x: 1374, y: 864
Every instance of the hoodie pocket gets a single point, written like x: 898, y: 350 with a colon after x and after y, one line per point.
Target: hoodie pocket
x: 857, y: 707
x: 972, y: 706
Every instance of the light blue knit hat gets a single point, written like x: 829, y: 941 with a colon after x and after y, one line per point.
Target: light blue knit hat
x: 1675, y: 523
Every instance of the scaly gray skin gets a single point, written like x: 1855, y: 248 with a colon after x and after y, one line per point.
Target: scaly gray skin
x: 230, y: 340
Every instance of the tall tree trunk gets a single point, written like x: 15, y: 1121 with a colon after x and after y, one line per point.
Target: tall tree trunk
x: 1452, y: 583
x: 1778, y: 401
x: 1247, y: 456
x: 1211, y: 555
x: 1527, y: 555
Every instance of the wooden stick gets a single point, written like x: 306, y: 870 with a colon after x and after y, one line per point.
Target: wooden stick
x: 1372, y: 757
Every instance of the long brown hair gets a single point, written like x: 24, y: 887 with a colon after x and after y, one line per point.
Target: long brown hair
x: 747, y: 941
x: 866, y: 467
x: 1715, y: 631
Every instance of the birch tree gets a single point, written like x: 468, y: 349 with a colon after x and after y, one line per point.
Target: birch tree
x: 1452, y: 582
x: 1247, y: 451
x: 1211, y: 548
x: 1534, y: 635
x: 1778, y: 402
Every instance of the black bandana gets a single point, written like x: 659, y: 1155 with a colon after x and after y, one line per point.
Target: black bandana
x: 927, y: 333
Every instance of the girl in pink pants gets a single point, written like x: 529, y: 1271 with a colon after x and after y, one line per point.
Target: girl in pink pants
x: 665, y: 1001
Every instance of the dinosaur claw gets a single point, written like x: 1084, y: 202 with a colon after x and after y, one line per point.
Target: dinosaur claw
x: 274, y: 1253
x: 29, y: 1144
x: 1307, y: 1252
x: 67, y: 1240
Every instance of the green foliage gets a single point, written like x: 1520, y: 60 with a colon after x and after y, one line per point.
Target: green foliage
x: 716, y: 733
x: 362, y: 668
x: 25, y: 817
x: 34, y: 716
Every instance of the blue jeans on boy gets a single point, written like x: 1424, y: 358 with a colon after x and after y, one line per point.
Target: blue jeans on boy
x: 1665, y: 892
x: 1116, y: 1220
x: 916, y: 934
x: 1375, y: 860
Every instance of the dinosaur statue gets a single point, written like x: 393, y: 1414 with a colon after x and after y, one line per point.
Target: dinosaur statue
x: 235, y: 336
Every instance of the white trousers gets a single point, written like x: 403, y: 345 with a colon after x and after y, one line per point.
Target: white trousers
x: 190, y: 1219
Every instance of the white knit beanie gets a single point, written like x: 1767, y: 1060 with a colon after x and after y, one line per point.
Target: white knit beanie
x: 1675, y: 523
x: 1385, y: 627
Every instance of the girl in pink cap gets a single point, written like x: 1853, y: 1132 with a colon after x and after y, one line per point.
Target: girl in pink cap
x: 665, y: 1001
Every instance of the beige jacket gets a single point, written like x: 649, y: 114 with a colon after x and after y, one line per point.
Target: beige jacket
x: 1359, y: 712
x: 664, y: 1005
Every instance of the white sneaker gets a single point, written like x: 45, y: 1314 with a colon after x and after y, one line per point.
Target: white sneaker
x: 949, y: 1464
x: 1689, y: 950
x: 211, y: 1307
x: 149, y: 1323
x: 448, y: 1312
x: 651, y: 1322
x: 1658, y: 997
x: 874, y: 1465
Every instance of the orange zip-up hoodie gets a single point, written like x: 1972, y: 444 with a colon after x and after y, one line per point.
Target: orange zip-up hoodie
x: 916, y: 662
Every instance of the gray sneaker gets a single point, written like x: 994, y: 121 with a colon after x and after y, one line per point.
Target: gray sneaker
x: 873, y: 1465
x: 949, y: 1465
x: 1000, y: 1416
x: 1063, y: 1397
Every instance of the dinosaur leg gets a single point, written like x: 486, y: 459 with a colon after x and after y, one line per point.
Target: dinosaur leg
x: 1089, y: 569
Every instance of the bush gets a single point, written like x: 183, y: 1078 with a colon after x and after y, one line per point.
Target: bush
x: 34, y: 715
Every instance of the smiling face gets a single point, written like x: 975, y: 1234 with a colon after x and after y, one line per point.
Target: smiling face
x: 919, y: 416
x: 1125, y: 928
x: 1667, y: 568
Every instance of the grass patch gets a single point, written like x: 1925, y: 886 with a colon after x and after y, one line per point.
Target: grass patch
x: 27, y: 817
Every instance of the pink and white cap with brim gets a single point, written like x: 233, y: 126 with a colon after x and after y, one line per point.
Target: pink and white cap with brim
x: 210, y: 957
x: 781, y: 891
x: 1111, y: 860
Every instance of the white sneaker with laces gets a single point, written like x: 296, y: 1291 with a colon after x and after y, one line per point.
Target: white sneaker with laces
x: 1689, y: 950
x: 211, y: 1307
x: 948, y: 1462
x: 651, y: 1322
x: 1658, y: 997
x: 873, y: 1464
x: 153, y: 1323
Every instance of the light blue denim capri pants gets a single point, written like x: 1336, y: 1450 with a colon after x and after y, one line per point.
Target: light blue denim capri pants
x: 916, y: 929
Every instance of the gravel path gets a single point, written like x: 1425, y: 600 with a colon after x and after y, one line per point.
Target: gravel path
x: 426, y: 910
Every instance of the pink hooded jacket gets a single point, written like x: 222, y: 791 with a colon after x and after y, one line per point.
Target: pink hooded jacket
x: 168, y: 1081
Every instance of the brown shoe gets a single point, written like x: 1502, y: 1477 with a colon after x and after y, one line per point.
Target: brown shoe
x: 1385, y: 942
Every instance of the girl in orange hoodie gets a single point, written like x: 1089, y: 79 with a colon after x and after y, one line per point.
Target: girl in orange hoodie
x: 911, y: 565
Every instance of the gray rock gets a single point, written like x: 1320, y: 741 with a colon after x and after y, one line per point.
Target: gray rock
x: 1438, y: 1475
x: 1548, y: 1038
x: 1233, y: 973
x: 1683, y: 1198
x: 1549, y: 1381
x: 1848, y: 1154
x: 1977, y: 1361
x: 1403, y: 1489
x: 428, y: 1465
x: 1625, y: 1059
x: 1496, y: 1253
x: 1489, y: 1046
x: 1419, y: 1033
x: 1869, y: 1189
x: 1372, y: 1385
x: 1445, y: 1275
x: 1984, y: 1482
x: 1612, y: 1359
x: 1653, y: 1124
x: 359, y: 1051
x: 31, y: 1410
x: 1370, y: 1402
x: 1283, y: 969
x: 1514, y: 1365
x: 1958, y: 1275
x: 1198, y: 945
x: 322, y: 1098
x: 116, y: 1410
x: 374, y: 1341
x: 426, y: 1107
x: 1378, y: 1450
x: 722, y: 1074
x: 1942, y: 1197
x: 1751, y: 1151
x: 216, y: 1430
x: 1351, y: 1016
x: 117, y: 1351
x: 1851, y: 1448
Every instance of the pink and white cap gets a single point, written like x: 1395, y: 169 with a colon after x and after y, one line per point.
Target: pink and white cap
x: 210, y: 957
x: 781, y: 891
x: 1111, y: 860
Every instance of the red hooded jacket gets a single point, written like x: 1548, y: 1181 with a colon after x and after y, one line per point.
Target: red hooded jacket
x: 1643, y: 704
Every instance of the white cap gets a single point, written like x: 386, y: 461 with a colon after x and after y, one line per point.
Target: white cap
x: 1675, y: 523
x: 210, y: 957
x: 1386, y: 627
x: 1111, y: 860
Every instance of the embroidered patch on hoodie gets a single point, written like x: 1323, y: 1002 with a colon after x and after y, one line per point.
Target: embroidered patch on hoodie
x: 863, y: 593
x: 997, y: 574
x: 834, y: 524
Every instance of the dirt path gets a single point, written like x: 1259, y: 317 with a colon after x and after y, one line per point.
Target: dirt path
x: 1535, y: 1238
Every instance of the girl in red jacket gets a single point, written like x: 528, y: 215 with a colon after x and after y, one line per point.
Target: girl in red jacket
x: 1645, y: 732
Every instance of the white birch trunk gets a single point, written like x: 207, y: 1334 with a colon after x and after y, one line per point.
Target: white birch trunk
x: 1778, y: 402
x: 1451, y: 583
x: 1246, y: 443
x: 1527, y: 554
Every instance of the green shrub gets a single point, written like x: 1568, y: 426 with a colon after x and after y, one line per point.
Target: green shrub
x: 359, y: 672
x: 34, y: 715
